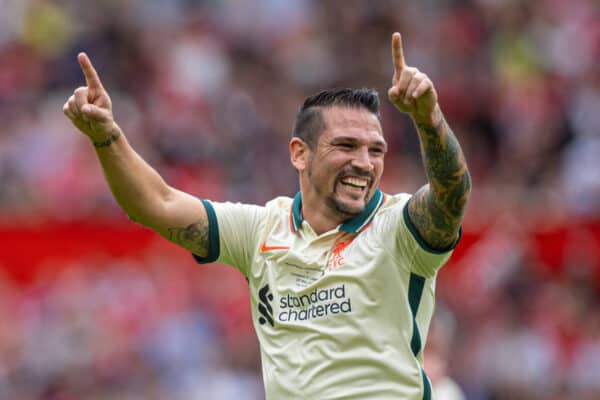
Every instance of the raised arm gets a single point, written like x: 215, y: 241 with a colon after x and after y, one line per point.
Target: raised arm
x: 437, y: 208
x: 137, y: 187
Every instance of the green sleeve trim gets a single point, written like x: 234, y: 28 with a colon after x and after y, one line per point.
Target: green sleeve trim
x: 214, y: 248
x: 415, y: 292
x: 424, y: 245
x: 426, y: 386
x: 416, y: 285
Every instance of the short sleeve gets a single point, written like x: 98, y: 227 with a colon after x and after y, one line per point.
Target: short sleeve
x: 409, y: 248
x: 233, y: 233
x: 426, y: 260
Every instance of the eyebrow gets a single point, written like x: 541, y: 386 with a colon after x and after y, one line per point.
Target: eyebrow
x: 342, y: 139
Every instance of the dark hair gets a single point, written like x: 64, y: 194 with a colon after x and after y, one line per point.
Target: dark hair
x: 309, y: 120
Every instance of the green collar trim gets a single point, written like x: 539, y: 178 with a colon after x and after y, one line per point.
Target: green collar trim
x: 355, y: 224
x: 297, y: 212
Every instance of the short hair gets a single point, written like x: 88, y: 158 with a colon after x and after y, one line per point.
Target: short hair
x: 309, y: 119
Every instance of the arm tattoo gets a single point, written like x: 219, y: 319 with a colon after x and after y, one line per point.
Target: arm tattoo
x: 437, y: 209
x: 194, y: 237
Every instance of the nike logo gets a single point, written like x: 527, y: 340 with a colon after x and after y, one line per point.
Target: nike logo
x: 264, y: 248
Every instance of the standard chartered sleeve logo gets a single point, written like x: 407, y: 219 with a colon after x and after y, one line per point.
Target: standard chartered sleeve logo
x: 319, y: 303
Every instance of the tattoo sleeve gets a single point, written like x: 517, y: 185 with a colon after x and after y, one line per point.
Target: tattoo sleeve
x: 194, y: 237
x: 437, y: 208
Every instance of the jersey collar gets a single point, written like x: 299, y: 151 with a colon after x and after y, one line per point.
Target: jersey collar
x: 354, y: 224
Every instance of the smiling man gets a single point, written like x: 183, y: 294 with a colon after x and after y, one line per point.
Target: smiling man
x: 338, y: 148
x: 342, y: 276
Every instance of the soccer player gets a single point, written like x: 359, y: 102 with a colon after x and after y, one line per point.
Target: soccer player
x: 342, y: 276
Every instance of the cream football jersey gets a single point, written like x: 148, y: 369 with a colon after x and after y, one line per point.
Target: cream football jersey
x: 341, y: 315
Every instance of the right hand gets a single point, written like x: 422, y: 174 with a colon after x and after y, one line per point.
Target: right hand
x: 412, y: 91
x: 90, y: 108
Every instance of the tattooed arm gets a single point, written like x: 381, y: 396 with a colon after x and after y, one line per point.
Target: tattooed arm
x: 136, y: 186
x: 149, y: 200
x: 437, y: 208
x: 193, y: 237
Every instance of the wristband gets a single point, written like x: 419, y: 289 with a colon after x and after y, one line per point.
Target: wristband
x: 109, y: 141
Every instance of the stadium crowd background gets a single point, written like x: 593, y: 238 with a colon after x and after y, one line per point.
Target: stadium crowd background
x: 207, y: 91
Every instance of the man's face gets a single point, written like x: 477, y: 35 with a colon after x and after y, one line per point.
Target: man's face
x: 345, y: 168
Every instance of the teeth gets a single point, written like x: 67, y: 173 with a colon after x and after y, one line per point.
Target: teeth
x: 355, y: 181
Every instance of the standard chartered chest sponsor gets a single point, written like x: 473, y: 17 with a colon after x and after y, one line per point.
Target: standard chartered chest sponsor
x: 316, y: 304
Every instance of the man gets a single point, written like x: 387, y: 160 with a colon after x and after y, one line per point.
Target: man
x: 342, y: 276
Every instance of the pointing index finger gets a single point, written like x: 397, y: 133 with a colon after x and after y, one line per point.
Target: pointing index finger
x: 91, y: 76
x: 397, y: 52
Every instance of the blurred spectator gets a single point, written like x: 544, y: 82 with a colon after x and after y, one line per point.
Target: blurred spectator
x: 207, y: 92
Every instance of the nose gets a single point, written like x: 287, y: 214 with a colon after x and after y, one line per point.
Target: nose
x: 362, y: 159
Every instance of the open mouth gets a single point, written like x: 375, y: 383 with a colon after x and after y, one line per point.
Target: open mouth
x: 351, y: 192
x: 354, y: 185
x: 355, y: 182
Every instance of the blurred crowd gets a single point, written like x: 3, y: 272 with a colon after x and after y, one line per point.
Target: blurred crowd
x: 206, y: 91
x: 121, y: 329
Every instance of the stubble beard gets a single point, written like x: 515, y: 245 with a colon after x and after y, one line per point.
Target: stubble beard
x: 334, y: 203
x: 341, y: 208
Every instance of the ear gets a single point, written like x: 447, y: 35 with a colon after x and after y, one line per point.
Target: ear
x: 299, y: 152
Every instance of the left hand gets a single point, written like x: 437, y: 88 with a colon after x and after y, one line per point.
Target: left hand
x: 90, y: 107
x: 412, y: 91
